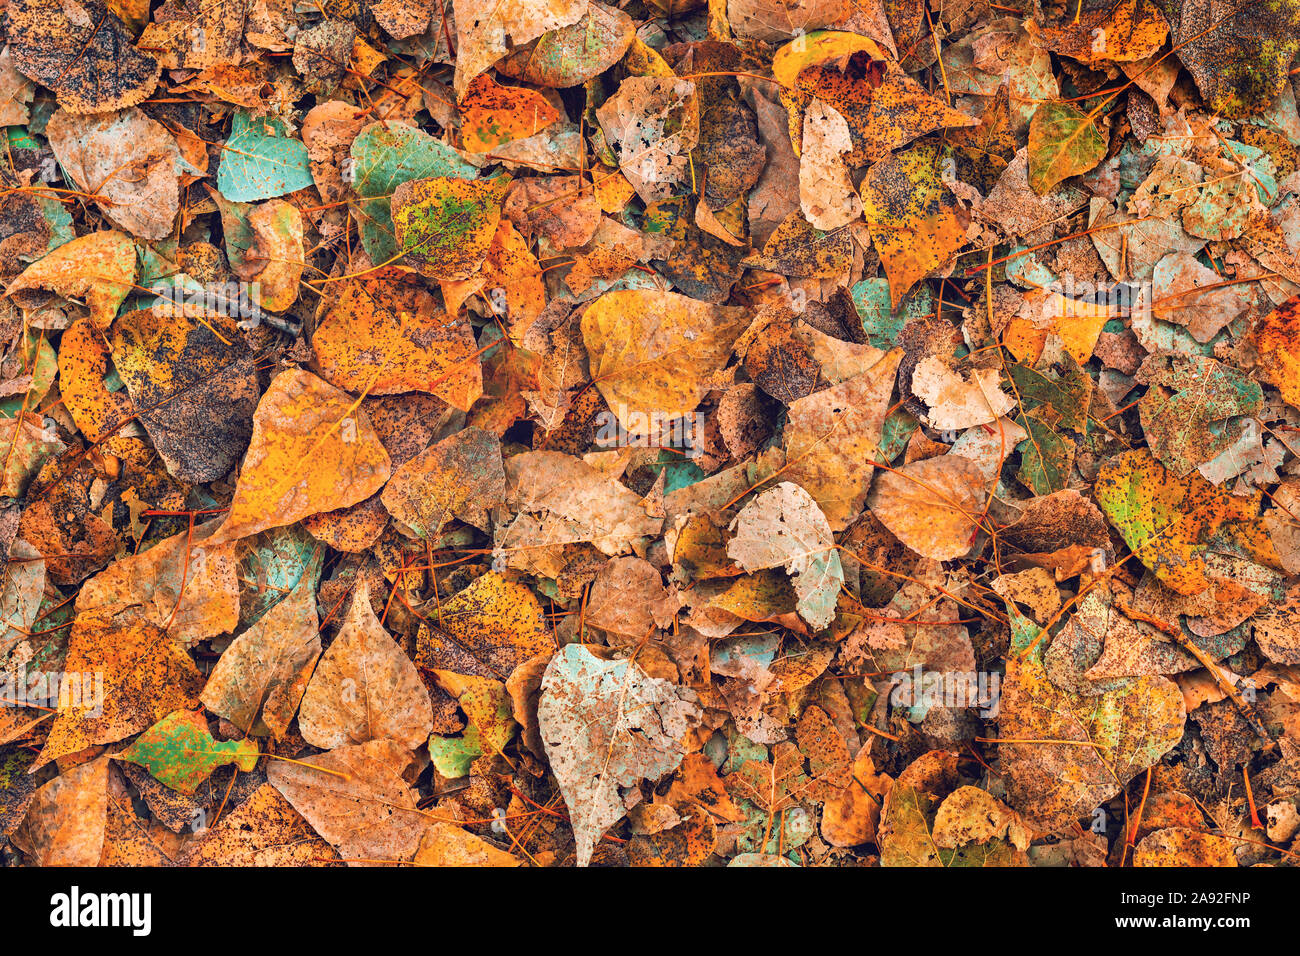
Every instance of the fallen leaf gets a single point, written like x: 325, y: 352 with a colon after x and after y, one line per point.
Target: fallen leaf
x: 384, y: 335
x: 82, y: 51
x: 459, y: 477
x: 180, y: 751
x: 652, y: 124
x: 932, y: 506
x: 1094, y: 745
x: 608, y: 725
x: 193, y: 384
x: 483, y: 29
x: 99, y: 266
x: 185, y: 584
x: 66, y: 819
x: 264, y: 830
x: 301, y: 424
x: 916, y: 222
x: 783, y: 527
x: 356, y: 799
x: 651, y: 352
x: 444, y: 226
x: 1063, y: 142
x: 128, y: 161
x: 129, y: 678
x: 444, y: 844
x: 832, y: 439
x: 364, y: 687
x: 264, y: 671
x: 1180, y: 846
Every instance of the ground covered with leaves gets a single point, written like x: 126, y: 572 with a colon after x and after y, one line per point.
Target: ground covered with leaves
x: 743, y: 432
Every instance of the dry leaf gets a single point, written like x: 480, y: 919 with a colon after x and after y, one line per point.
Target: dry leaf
x: 608, y: 725
x: 364, y: 688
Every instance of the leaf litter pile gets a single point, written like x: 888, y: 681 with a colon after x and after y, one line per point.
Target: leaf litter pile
x: 753, y: 432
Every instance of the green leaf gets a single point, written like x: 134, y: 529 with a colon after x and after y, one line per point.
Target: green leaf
x: 385, y: 155
x: 1045, y: 457
x: 453, y: 756
x: 260, y: 162
x: 1063, y: 142
x: 1062, y: 385
x: 181, y: 753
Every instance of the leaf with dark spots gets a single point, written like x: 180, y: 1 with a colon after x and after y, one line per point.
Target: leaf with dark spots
x: 1238, y: 56
x: 193, y: 383
x: 916, y: 222
x: 81, y: 50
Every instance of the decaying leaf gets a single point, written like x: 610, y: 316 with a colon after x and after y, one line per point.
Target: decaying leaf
x: 264, y: 671
x: 459, y: 477
x: 356, y: 798
x: 784, y: 528
x: 608, y: 725
x: 916, y: 223
x: 933, y: 506
x: 444, y: 225
x: 383, y: 335
x: 135, y: 676
x: 99, y: 266
x: 82, y: 51
x: 483, y: 29
x: 127, y: 159
x: 653, y: 123
x: 300, y: 424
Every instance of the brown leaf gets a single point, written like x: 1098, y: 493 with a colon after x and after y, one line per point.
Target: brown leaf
x: 364, y: 688
x: 264, y: 671
x: 80, y: 49
x: 127, y: 159
x: 357, y: 800
x: 66, y: 820
x: 264, y: 830
x: 458, y: 477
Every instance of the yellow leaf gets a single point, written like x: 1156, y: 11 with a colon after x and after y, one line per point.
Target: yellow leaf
x: 100, y: 266
x: 652, y: 352
x: 385, y: 335
x: 313, y: 450
x: 916, y: 223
